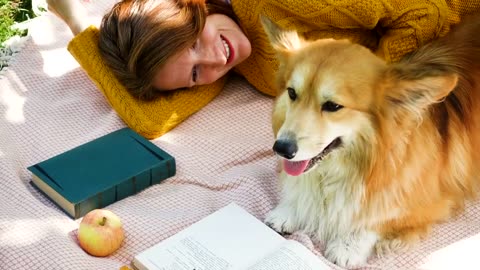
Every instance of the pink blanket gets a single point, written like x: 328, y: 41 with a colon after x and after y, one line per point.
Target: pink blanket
x: 48, y: 105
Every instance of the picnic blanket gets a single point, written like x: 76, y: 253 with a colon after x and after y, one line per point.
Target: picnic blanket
x: 48, y: 105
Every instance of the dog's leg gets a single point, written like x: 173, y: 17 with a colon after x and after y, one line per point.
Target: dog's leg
x: 401, y: 240
x: 351, y: 250
x: 282, y: 218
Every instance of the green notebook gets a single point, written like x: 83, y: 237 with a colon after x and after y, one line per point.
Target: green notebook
x: 102, y: 171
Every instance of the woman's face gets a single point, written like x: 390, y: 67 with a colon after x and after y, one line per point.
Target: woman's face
x: 221, y: 46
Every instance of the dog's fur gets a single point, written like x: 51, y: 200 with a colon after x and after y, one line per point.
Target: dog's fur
x: 409, y: 139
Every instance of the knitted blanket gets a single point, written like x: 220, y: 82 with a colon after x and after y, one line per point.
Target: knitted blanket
x: 48, y: 105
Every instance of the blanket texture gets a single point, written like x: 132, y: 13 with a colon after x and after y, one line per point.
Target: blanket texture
x: 49, y: 105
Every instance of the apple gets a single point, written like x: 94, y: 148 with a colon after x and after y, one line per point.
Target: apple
x: 100, y: 232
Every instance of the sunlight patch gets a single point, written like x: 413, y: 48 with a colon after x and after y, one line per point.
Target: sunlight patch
x: 58, y: 62
x: 459, y: 255
x: 13, y: 102
x: 25, y: 232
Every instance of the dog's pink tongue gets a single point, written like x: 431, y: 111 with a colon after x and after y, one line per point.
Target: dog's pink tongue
x: 294, y: 167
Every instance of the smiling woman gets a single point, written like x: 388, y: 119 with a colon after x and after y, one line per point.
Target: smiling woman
x: 154, y: 46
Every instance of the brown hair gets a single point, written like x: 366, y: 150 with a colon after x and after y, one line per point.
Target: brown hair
x: 138, y: 36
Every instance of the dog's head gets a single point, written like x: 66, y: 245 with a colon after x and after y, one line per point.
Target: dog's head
x: 333, y: 96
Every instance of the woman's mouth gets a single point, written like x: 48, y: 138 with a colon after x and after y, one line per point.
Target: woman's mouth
x: 229, y: 52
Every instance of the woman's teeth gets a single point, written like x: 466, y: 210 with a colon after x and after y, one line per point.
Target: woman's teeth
x: 227, y: 48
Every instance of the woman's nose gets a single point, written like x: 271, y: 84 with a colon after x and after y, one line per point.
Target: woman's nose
x: 214, y: 57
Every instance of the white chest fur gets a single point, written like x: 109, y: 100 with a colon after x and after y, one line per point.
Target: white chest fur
x: 324, y: 202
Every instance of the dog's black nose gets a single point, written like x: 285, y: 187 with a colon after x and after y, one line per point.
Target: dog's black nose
x: 285, y: 148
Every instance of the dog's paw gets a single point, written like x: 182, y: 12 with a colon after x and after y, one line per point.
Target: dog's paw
x: 389, y: 246
x: 353, y: 250
x: 345, y: 256
x: 281, y: 220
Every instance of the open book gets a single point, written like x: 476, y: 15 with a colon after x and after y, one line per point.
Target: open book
x: 228, y: 239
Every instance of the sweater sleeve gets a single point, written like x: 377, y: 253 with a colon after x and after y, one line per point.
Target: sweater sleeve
x: 408, y: 25
x: 391, y: 28
x: 150, y: 119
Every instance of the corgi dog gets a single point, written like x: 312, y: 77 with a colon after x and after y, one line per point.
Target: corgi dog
x: 372, y: 154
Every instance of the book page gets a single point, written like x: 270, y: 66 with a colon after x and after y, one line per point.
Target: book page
x: 229, y: 239
x: 290, y: 256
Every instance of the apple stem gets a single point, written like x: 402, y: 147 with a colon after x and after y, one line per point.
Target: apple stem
x: 104, y: 219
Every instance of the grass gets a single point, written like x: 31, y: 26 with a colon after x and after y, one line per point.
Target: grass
x: 11, y: 12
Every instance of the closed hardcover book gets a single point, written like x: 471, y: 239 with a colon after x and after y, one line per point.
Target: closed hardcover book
x: 102, y: 171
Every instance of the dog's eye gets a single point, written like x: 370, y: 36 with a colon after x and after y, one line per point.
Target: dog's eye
x: 291, y: 93
x: 331, y: 106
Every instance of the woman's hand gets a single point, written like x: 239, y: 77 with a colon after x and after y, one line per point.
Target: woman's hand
x: 72, y: 12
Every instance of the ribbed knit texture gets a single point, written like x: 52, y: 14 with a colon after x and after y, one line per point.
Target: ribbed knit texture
x: 389, y: 28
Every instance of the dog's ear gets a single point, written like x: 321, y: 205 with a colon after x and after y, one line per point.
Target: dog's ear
x: 281, y: 39
x: 415, y: 86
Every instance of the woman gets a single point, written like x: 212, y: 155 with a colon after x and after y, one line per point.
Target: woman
x: 149, y: 47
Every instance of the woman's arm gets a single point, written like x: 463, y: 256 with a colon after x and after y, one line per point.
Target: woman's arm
x: 401, y: 26
x: 72, y: 12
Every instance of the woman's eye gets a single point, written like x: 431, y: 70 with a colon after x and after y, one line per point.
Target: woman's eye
x: 194, y: 74
x: 195, y: 68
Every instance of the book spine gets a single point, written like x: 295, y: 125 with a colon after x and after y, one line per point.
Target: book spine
x: 162, y: 171
x: 129, y: 187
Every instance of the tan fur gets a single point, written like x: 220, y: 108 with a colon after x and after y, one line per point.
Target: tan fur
x: 410, y: 133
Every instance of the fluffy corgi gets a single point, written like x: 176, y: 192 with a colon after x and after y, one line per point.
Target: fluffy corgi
x: 373, y: 154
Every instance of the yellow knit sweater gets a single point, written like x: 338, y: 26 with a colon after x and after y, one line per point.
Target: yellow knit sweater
x: 391, y: 28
